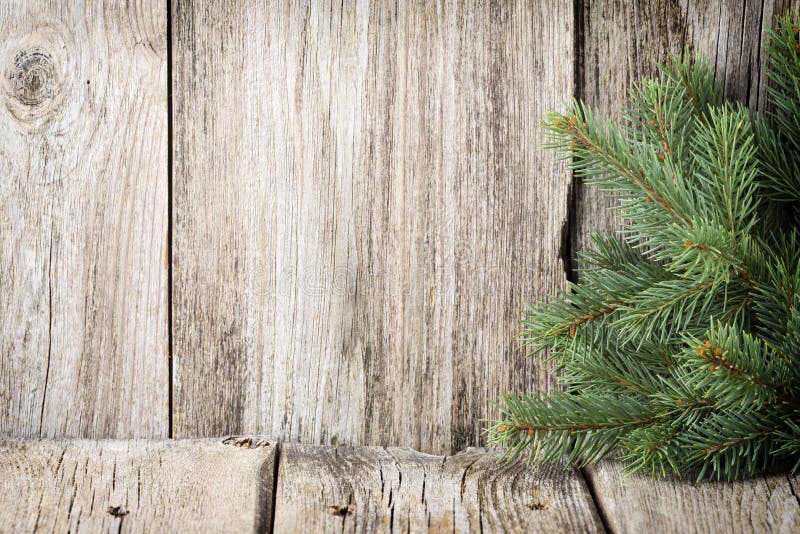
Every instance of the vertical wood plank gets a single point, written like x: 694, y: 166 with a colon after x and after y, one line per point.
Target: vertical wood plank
x: 362, y: 208
x: 208, y: 485
x: 83, y: 219
x: 370, y: 489
x: 624, y: 41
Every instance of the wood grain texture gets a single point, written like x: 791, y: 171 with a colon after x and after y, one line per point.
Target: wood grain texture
x: 136, y: 486
x: 362, y: 208
x: 638, y: 504
x: 624, y: 41
x: 83, y: 219
x: 370, y: 489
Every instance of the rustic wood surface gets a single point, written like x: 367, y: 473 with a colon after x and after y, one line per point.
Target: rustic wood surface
x: 230, y: 485
x: 371, y: 489
x: 209, y: 485
x: 83, y: 219
x: 362, y: 207
x: 639, y: 504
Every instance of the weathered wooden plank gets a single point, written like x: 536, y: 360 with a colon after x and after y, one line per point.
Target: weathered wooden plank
x: 209, y: 485
x: 623, y: 41
x: 362, y: 207
x: 370, y: 489
x: 639, y: 504
x: 83, y: 219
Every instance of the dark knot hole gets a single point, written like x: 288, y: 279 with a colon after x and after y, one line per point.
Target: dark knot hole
x: 33, y: 77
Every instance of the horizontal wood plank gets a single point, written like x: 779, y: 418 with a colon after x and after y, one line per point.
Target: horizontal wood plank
x: 637, y: 504
x: 226, y: 485
x: 209, y: 485
x: 370, y: 489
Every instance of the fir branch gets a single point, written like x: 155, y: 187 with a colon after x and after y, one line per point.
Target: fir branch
x: 679, y: 350
x: 738, y: 369
x: 601, y: 154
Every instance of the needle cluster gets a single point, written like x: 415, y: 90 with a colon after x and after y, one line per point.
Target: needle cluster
x: 679, y: 349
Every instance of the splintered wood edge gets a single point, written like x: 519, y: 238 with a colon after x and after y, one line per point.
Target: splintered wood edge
x: 146, y: 485
x: 371, y: 488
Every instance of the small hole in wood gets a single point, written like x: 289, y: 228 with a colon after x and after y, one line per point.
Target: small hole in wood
x: 340, y: 511
x: 117, y: 511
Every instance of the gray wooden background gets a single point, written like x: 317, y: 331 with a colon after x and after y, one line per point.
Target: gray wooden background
x: 314, y: 220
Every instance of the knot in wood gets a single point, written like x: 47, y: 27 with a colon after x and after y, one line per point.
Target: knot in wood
x: 33, y: 77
